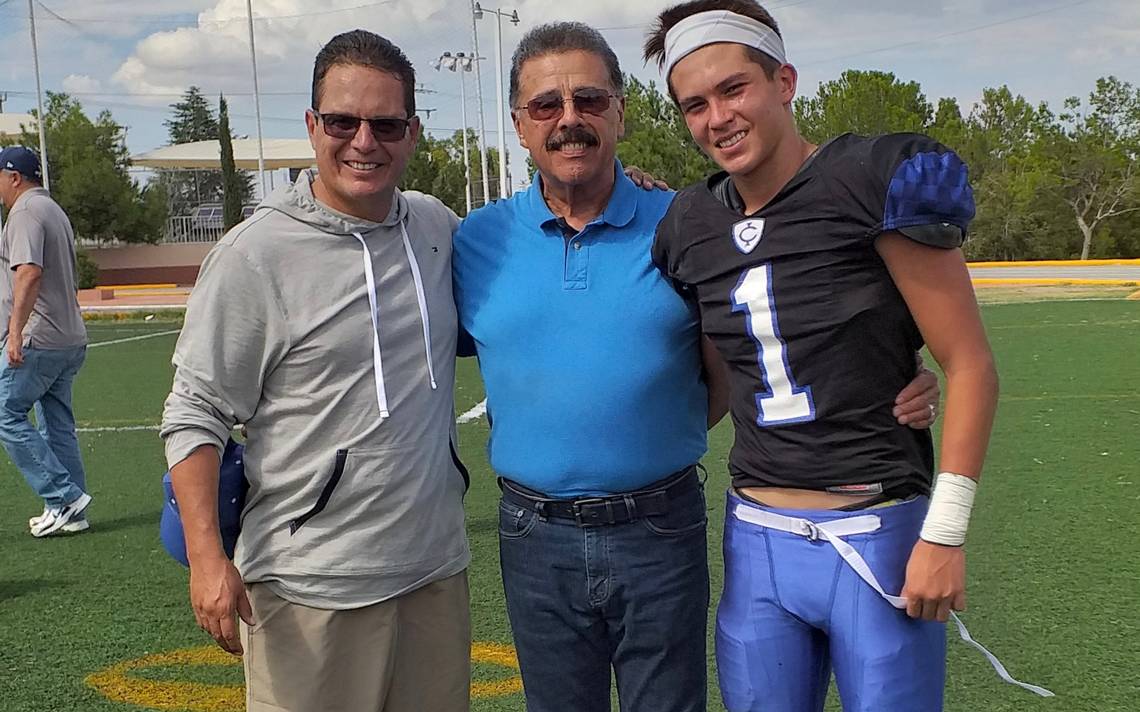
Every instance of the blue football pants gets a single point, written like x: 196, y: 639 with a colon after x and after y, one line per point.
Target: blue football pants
x: 794, y: 611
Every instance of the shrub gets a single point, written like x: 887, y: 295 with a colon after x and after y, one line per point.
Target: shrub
x: 88, y: 270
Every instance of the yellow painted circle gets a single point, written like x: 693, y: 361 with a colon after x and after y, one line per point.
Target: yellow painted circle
x: 117, y: 684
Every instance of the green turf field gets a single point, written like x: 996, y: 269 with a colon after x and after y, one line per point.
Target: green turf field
x: 1054, y: 582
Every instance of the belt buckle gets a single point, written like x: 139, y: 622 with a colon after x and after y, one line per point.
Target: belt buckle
x: 577, y: 505
x: 810, y: 530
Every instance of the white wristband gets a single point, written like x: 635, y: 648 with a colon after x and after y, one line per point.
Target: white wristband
x: 949, y: 514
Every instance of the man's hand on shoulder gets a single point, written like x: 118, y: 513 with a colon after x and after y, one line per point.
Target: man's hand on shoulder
x: 644, y: 180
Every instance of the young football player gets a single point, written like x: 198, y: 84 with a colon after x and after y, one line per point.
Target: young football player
x: 819, y: 271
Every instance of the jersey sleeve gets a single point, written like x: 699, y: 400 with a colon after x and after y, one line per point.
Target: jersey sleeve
x: 667, y: 244
x: 922, y: 190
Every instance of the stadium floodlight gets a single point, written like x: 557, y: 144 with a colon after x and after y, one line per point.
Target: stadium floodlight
x: 513, y: 16
x: 462, y: 62
x: 476, y: 13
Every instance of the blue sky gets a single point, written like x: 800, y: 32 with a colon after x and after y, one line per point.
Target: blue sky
x: 135, y: 61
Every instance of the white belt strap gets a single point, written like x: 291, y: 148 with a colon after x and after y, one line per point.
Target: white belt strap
x: 863, y: 524
x: 377, y: 362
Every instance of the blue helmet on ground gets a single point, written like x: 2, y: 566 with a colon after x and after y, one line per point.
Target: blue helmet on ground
x: 232, y: 487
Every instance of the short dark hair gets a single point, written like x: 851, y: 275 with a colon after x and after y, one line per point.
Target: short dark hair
x: 655, y: 42
x: 365, y: 49
x: 559, y: 37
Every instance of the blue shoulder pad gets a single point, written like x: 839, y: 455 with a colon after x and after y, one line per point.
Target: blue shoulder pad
x: 929, y: 188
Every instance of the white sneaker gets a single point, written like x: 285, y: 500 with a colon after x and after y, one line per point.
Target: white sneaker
x: 33, y: 521
x: 79, y: 524
x: 56, y: 518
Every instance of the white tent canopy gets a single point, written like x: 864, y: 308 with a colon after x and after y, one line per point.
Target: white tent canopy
x: 279, y: 153
x: 10, y: 124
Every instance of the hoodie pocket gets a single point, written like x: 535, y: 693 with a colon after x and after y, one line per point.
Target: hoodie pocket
x: 396, y: 510
x: 326, y: 492
x: 460, y: 466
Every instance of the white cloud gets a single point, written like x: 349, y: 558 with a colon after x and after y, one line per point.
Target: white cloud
x: 81, y: 84
x: 1039, y: 52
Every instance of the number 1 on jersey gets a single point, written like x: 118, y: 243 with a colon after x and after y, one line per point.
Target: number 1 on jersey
x: 784, y: 401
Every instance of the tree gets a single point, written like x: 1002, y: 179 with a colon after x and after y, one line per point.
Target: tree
x: 998, y: 142
x: 948, y: 127
x: 656, y: 138
x: 437, y: 168
x: 194, y: 120
x: 862, y: 102
x: 88, y: 163
x: 1094, y: 155
x: 231, y: 180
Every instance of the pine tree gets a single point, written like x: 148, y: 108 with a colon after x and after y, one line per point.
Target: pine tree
x: 232, y: 183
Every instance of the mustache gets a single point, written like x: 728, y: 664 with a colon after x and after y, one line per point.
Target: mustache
x: 574, y: 134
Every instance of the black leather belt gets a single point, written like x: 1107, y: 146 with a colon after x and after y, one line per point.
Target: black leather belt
x: 612, y: 509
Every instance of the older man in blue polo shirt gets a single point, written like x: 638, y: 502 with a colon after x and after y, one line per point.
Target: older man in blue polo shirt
x: 592, y: 365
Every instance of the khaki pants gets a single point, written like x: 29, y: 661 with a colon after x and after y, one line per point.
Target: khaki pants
x: 408, y: 654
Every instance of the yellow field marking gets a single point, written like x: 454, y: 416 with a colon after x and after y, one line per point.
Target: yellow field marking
x: 1072, y: 396
x: 503, y: 656
x: 117, y: 684
x: 1056, y: 263
x: 148, y: 293
x: 1134, y: 295
x: 988, y: 281
x: 136, y: 287
x: 1048, y: 325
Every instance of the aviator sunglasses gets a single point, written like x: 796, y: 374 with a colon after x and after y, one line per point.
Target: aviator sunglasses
x: 344, y: 126
x: 551, y: 105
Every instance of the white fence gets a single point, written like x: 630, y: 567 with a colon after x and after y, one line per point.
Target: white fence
x: 189, y: 228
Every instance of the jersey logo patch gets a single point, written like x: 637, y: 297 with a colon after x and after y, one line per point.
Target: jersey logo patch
x: 746, y: 234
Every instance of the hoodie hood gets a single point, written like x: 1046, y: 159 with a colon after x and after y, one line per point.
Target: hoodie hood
x: 297, y: 201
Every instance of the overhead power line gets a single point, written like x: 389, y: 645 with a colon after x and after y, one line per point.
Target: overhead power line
x: 183, y: 20
x: 955, y: 33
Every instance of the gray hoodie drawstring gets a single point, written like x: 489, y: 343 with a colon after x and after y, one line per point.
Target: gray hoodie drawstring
x: 421, y: 299
x: 370, y: 280
x: 377, y: 362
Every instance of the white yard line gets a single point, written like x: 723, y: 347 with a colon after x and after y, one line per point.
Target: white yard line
x: 133, y: 338
x: 473, y: 414
x: 117, y: 429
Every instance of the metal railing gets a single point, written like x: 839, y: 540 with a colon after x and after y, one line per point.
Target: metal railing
x: 187, y: 228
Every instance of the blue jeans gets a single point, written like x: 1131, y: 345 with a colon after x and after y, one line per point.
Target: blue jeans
x: 633, y: 596
x: 47, y: 456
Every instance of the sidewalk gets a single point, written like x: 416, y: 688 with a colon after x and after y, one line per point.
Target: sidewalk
x: 135, y: 297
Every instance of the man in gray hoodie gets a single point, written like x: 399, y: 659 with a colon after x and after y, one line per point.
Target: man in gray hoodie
x: 325, y: 323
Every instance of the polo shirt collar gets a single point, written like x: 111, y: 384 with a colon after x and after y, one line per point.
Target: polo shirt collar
x: 28, y: 194
x: 619, y: 211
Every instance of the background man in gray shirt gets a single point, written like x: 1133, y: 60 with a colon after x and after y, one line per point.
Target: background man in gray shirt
x: 45, y: 343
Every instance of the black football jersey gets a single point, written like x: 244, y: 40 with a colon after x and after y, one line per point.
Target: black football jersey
x: 817, y: 338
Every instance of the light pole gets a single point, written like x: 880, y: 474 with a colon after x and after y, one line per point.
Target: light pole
x: 256, y: 97
x: 513, y: 16
x: 479, y: 101
x: 40, y: 118
x: 460, y: 62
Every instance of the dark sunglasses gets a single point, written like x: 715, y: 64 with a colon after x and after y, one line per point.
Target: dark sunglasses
x: 345, y: 126
x: 552, y: 105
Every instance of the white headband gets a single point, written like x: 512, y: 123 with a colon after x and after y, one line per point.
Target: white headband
x: 705, y: 28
